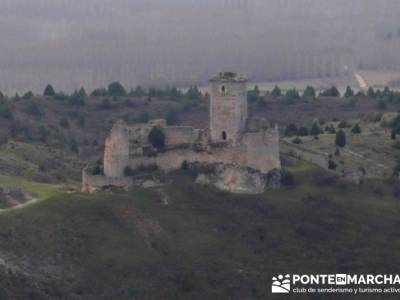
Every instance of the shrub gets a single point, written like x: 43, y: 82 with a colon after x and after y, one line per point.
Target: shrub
x: 291, y: 130
x: 253, y: 95
x: 193, y: 93
x: 343, y: 124
x: 349, y: 92
x: 98, y: 168
x: 185, y: 165
x: 116, y: 89
x: 331, y: 92
x: 34, y: 110
x: 330, y: 129
x: 309, y: 92
x: 303, y: 131
x: 276, y: 92
x: 77, y: 98
x: 356, y: 129
x: 157, y: 138
x: 101, y: 92
x: 340, y: 138
x: 27, y: 95
x: 297, y: 141
x: 371, y: 93
x: 128, y: 171
x: 292, y: 94
x: 287, y: 179
x: 315, y: 129
x: 332, y: 165
x: 49, y: 91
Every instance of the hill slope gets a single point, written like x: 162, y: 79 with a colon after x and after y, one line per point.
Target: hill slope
x: 205, y: 244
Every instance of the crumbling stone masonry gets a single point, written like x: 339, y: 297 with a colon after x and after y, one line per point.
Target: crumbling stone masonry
x: 243, y: 152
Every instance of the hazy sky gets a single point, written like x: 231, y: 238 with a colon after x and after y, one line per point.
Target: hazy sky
x: 73, y: 43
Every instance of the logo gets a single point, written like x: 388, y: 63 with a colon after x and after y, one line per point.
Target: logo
x: 281, y: 284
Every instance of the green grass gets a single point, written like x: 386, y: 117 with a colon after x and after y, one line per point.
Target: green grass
x: 206, y: 244
x: 38, y: 190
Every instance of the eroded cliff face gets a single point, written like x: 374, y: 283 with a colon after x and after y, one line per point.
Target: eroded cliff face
x: 241, y: 180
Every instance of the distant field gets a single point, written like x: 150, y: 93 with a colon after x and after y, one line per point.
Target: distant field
x: 379, y: 78
x: 205, y: 244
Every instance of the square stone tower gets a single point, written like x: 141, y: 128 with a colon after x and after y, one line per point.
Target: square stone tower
x: 228, y: 107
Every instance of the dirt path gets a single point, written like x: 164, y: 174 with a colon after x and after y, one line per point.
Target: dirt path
x: 22, y: 205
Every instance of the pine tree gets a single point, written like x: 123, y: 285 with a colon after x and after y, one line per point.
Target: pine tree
x: 49, y: 91
x: 340, y: 139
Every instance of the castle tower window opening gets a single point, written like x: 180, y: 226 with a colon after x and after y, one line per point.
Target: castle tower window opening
x: 223, y: 135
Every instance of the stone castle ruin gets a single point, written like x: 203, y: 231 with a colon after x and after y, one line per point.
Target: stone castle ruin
x: 237, y: 154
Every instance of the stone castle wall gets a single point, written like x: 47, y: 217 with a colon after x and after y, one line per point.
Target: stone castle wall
x: 93, y: 183
x: 302, y: 153
x: 259, y: 150
x: 228, y: 109
x: 246, y: 156
x: 179, y: 135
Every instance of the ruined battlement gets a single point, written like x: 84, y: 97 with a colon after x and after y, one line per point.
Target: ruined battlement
x: 243, y: 151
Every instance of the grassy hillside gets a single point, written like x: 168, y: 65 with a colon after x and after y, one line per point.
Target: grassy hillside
x: 205, y: 244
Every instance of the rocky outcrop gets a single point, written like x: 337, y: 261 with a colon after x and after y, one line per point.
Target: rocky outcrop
x: 10, y: 197
x: 240, y: 180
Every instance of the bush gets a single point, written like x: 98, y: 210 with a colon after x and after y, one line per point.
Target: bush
x: 292, y: 94
x: 330, y: 129
x: 349, y: 92
x: 287, y: 179
x: 34, y: 110
x: 27, y: 95
x: 297, y: 141
x: 309, y: 92
x: 356, y: 129
x: 98, y: 168
x: 343, y: 124
x: 315, y: 129
x: 371, y: 93
x: 193, y: 93
x: 157, y: 138
x: 303, y: 131
x: 49, y: 91
x: 340, y: 138
x: 276, y: 92
x: 128, y: 171
x: 253, y: 95
x: 331, y: 92
x: 291, y: 130
x: 116, y: 89
x: 332, y: 165
x: 101, y: 92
